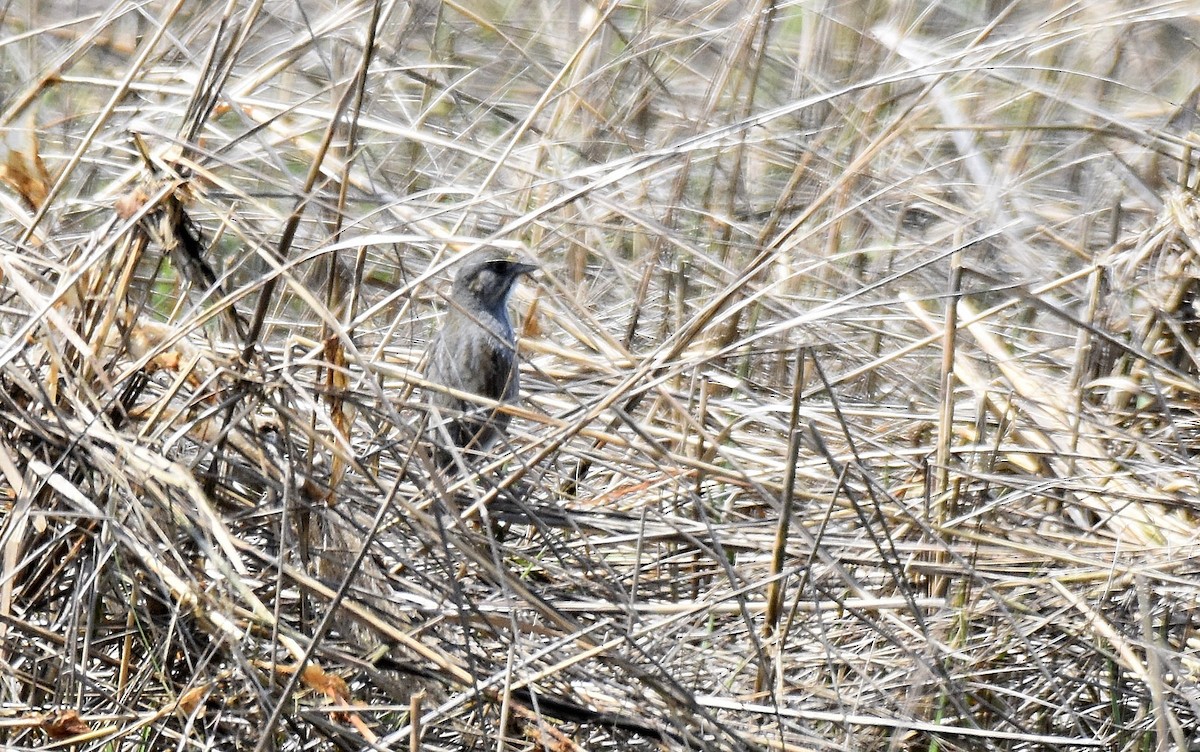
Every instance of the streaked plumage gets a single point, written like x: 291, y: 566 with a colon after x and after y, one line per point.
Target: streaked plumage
x: 475, y: 351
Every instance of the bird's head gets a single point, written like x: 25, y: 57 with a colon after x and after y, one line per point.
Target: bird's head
x: 485, y: 280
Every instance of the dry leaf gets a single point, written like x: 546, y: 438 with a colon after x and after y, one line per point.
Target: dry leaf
x: 64, y: 724
x: 130, y: 203
x: 331, y: 685
x: 168, y: 361
x: 193, y: 698
x: 21, y: 165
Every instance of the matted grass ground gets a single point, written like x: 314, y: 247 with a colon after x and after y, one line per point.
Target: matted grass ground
x: 860, y: 376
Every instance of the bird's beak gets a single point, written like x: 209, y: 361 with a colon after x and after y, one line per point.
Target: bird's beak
x: 523, y: 268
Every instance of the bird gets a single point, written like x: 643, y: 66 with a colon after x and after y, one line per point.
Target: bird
x: 475, y: 351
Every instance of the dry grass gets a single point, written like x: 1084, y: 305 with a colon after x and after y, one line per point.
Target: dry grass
x: 860, y: 378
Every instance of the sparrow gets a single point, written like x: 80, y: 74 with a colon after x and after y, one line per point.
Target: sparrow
x: 476, y: 352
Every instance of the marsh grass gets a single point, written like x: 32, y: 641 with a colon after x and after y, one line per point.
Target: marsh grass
x: 860, y: 376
